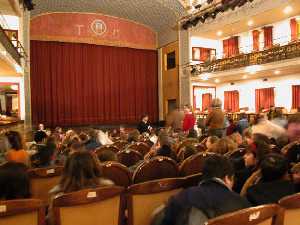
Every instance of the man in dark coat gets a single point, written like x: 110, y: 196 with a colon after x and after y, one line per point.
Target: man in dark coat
x: 212, y: 197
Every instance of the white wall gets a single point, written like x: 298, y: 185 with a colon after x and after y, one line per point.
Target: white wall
x: 20, y: 81
x: 282, y: 85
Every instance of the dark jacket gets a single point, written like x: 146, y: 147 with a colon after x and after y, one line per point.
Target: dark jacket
x: 143, y: 127
x: 270, y: 192
x: 211, y: 197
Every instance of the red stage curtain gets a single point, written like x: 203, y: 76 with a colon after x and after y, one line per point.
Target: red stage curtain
x: 204, y: 54
x: 81, y: 84
x: 294, y: 29
x: 206, y: 101
x: 264, y: 98
x: 231, y: 101
x: 255, y: 35
x: 296, y: 96
x: 268, y: 37
x: 231, y: 46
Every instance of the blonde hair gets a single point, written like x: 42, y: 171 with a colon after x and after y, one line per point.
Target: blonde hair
x: 216, y: 103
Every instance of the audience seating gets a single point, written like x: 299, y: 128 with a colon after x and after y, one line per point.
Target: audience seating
x: 141, y: 147
x: 237, y: 158
x: 42, y: 180
x: 291, y: 206
x: 101, y: 206
x: 193, y: 164
x: 116, y: 172
x: 260, y: 215
x: 144, y: 198
x: 188, y: 141
x: 253, y: 179
x: 155, y: 168
x: 22, y: 212
x: 107, y: 147
x: 121, y: 144
x: 129, y: 157
x: 192, y: 180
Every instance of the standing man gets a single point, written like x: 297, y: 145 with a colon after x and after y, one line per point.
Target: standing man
x: 215, y: 119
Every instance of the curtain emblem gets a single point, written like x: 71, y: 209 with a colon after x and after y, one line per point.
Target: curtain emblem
x: 98, y: 27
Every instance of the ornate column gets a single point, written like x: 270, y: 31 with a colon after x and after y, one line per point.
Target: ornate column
x: 184, y: 72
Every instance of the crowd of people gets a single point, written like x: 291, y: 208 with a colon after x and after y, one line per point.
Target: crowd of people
x: 266, y: 168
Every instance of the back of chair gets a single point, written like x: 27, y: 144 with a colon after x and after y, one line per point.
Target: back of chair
x: 107, y: 147
x: 192, y: 180
x: 156, y: 168
x: 129, y: 157
x: 144, y: 198
x: 193, y: 164
x: 116, y: 172
x: 120, y: 144
x: 141, y: 147
x: 23, y: 211
x: 99, y: 206
x: 42, y: 180
x: 260, y: 215
x: 291, y: 204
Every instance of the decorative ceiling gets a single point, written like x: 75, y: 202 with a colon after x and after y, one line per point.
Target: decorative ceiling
x: 159, y: 15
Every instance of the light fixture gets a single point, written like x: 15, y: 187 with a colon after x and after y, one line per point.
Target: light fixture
x: 219, y: 33
x: 205, y: 76
x: 288, y: 9
x: 14, y: 87
x: 253, y: 69
x: 217, y: 80
x: 250, y: 23
x: 277, y: 72
x: 18, y: 69
x: 245, y: 77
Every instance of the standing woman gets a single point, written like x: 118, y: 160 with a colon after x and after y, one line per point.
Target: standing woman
x: 188, y: 120
x: 17, y: 152
x: 215, y: 119
x: 144, y: 126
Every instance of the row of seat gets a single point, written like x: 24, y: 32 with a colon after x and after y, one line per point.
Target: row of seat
x: 110, y: 206
x: 104, y: 205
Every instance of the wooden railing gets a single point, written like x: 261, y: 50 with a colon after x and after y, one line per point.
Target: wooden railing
x: 274, y: 54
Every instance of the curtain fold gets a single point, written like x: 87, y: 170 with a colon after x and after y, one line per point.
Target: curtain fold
x: 268, y: 37
x: 255, y: 35
x: 81, y: 84
x: 206, y: 101
x: 264, y: 98
x: 231, y: 46
x: 204, y: 54
x: 294, y: 29
x: 231, y: 101
x: 295, y: 96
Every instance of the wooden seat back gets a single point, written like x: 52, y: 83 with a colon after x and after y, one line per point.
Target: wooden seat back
x: 291, y: 205
x: 129, y: 157
x: 42, y: 180
x: 23, y: 211
x: 156, y: 168
x: 101, y: 206
x: 260, y: 215
x: 151, y: 194
x: 116, y: 172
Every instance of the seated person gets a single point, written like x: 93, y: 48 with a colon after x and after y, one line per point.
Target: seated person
x: 93, y: 141
x: 144, y: 126
x: 210, y: 141
x: 14, y: 181
x: 223, y: 146
x: 211, y: 198
x: 166, y: 151
x: 187, y: 151
x: 274, y: 183
x: 296, y: 176
x: 107, y: 155
x: 134, y: 136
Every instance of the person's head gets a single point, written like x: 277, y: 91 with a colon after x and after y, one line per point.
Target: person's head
x: 14, y: 181
x: 192, y: 133
x: 166, y: 151
x: 76, y: 146
x: 107, y: 155
x: 186, y: 108
x: 15, y: 140
x: 80, y: 171
x: 83, y: 137
x: 278, y: 113
x: 58, y: 130
x: 293, y: 130
x: 223, y: 146
x: 218, y: 166
x: 4, y: 144
x: 188, y: 151
x: 93, y: 134
x: 296, y: 173
x: 41, y: 126
x: 40, y: 137
x: 134, y: 136
x: 210, y: 141
x: 237, y: 138
x: 216, y: 103
x: 145, y: 118
x: 243, y: 116
x: 273, y: 167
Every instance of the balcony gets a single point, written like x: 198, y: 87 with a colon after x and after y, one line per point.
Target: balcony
x: 274, y: 54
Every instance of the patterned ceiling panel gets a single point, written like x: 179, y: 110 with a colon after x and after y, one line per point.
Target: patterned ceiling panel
x: 157, y: 14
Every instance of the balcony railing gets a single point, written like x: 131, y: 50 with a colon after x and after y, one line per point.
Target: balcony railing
x: 13, y: 47
x: 274, y: 54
